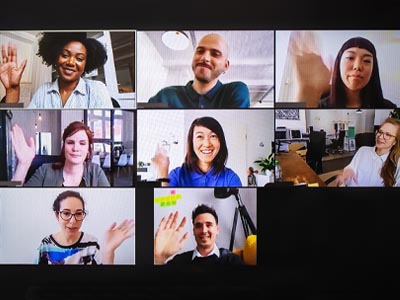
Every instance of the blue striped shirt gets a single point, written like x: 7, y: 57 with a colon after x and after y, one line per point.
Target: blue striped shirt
x: 87, y: 94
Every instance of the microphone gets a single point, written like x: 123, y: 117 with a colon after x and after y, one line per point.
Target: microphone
x: 222, y: 192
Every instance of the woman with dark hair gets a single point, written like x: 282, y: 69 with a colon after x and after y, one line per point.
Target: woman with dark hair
x: 70, y: 245
x: 75, y: 167
x: 377, y: 165
x: 206, y: 156
x: 355, y: 80
x: 72, y: 55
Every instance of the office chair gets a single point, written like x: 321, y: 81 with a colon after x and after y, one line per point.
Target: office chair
x: 342, y: 134
x: 365, y: 139
x: 38, y: 161
x: 337, y: 144
x: 122, y: 162
x: 107, y: 162
x: 115, y: 103
x: 316, y: 150
x: 96, y: 159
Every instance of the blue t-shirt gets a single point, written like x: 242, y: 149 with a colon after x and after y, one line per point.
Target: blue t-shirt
x: 181, y: 176
x: 230, y: 95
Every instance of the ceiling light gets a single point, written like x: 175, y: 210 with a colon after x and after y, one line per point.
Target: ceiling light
x: 175, y: 40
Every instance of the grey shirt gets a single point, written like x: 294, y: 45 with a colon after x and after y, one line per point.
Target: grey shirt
x: 45, y: 175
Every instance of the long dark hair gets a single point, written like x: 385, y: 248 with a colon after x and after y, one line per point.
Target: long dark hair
x: 371, y: 94
x: 220, y: 159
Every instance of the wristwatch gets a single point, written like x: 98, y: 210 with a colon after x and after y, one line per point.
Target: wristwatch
x: 163, y: 180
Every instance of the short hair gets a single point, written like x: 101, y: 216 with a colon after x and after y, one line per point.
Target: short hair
x: 64, y: 195
x: 191, y: 158
x: 371, y: 94
x: 52, y: 43
x: 71, y: 129
x: 203, y: 209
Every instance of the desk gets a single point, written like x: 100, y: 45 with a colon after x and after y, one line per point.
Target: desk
x: 295, y: 168
x: 336, y: 161
x: 284, y: 145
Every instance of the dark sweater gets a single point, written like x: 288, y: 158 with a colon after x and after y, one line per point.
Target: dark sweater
x: 226, y: 258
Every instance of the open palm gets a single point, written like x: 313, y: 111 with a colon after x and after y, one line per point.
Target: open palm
x: 168, y: 239
x: 24, y: 150
x: 10, y: 73
x: 116, y: 235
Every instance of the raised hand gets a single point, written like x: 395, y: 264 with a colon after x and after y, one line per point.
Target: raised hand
x: 24, y: 150
x: 168, y: 239
x: 311, y: 72
x: 116, y: 235
x: 161, y: 162
x: 10, y: 72
x: 346, y: 177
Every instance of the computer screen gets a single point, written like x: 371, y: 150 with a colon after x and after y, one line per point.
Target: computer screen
x: 344, y: 234
x: 295, y: 134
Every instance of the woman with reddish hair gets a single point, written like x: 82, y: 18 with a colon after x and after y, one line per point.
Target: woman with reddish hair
x: 74, y: 168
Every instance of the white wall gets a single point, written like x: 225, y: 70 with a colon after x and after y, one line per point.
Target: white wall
x: 26, y: 218
x: 188, y: 199
x: 152, y: 76
x: 294, y: 124
x: 325, y: 119
x: 26, y: 119
x: 381, y: 115
x: 244, y: 131
x: 328, y: 43
x: 35, y: 73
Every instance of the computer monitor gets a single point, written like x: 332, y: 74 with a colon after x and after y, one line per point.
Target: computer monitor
x: 282, y: 133
x: 295, y: 134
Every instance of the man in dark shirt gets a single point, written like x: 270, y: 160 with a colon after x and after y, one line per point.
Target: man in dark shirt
x: 168, y: 240
x: 210, y: 60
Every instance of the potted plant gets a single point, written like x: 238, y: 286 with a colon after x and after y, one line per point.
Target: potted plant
x: 142, y: 166
x: 395, y: 113
x: 266, y: 163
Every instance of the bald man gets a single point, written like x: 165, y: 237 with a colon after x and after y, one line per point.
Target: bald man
x: 210, y: 60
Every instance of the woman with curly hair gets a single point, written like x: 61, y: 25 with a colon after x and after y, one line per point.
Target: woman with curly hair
x: 72, y: 55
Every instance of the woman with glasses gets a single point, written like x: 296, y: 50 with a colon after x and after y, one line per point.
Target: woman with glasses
x: 75, y: 167
x: 70, y: 245
x: 377, y: 165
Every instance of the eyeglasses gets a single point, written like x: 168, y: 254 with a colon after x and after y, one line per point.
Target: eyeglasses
x: 385, y: 135
x: 67, y: 215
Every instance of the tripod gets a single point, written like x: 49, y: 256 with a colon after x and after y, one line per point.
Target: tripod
x: 247, y: 222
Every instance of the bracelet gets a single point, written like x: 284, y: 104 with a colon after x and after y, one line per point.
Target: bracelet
x: 162, y: 180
